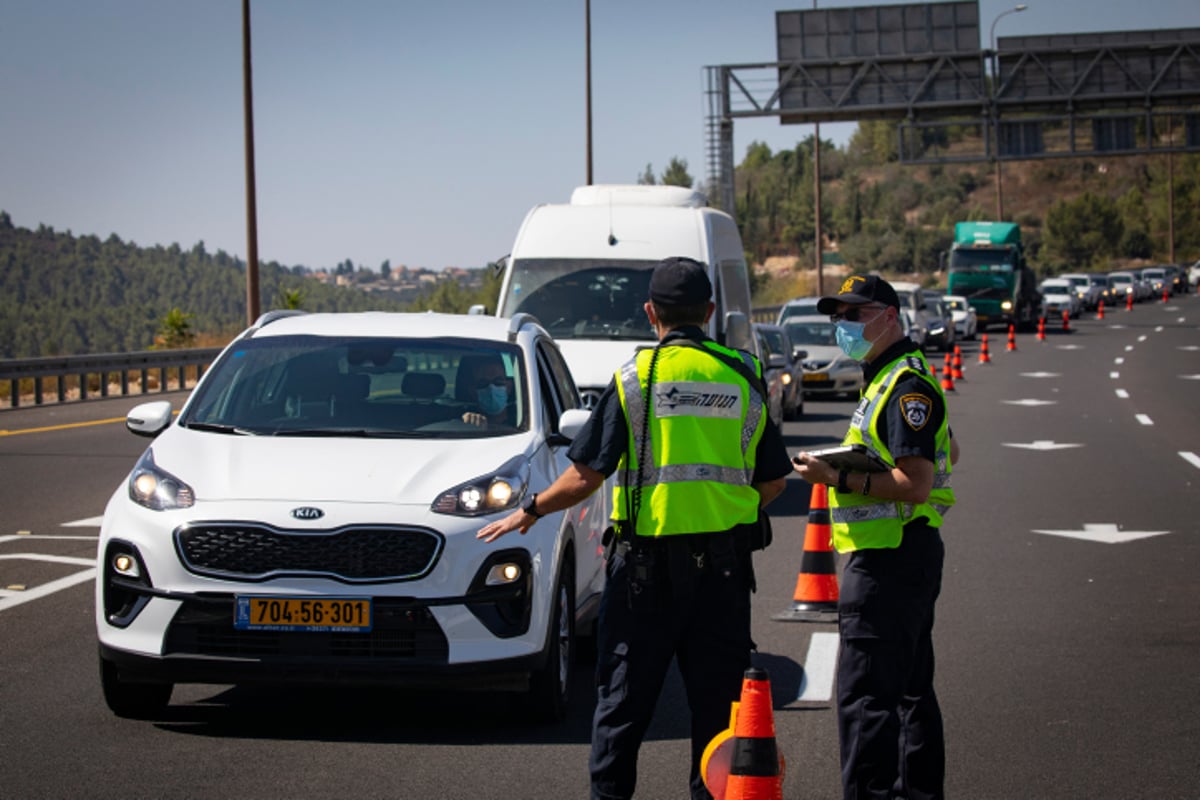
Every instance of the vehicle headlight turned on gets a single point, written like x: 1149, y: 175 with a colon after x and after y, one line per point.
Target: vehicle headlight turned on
x: 157, y: 489
x: 496, y: 491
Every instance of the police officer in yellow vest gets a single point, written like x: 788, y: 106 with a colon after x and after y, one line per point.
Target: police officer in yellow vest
x: 685, y: 428
x: 889, y: 722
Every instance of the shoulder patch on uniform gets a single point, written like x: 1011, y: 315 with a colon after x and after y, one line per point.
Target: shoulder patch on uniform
x: 916, y: 409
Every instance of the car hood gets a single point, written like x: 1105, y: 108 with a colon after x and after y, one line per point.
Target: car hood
x: 224, y: 467
x: 593, y: 363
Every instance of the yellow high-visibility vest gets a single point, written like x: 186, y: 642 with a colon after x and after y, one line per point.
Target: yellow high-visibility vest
x: 861, y: 522
x: 704, y: 424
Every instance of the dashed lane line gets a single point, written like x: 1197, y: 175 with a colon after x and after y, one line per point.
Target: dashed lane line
x: 1144, y: 419
x: 1121, y: 393
x: 1191, y: 458
x: 816, y: 684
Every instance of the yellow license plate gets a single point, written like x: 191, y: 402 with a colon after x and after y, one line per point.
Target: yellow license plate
x: 816, y: 376
x: 314, y: 614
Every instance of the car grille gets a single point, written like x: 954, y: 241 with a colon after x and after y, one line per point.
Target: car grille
x: 251, y: 552
x: 400, y: 630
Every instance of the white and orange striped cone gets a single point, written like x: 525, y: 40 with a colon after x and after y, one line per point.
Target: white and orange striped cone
x: 816, y: 595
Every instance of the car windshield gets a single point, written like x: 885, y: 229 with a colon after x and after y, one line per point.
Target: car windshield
x: 956, y: 305
x: 774, y: 339
x: 582, y: 298
x: 812, y: 332
x: 364, y: 387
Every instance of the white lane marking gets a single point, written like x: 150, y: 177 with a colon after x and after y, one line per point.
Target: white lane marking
x: 46, y: 589
x: 1159, y: 329
x: 1190, y: 347
x: 90, y: 522
x: 80, y: 562
x: 1030, y: 402
x: 1040, y: 374
x: 1117, y: 327
x: 1145, y: 420
x: 816, y: 682
x: 1142, y: 338
x: 1070, y: 347
x: 1114, y: 375
x: 1121, y: 393
x: 1128, y: 347
x: 1118, y: 361
x: 1042, y: 444
x: 1190, y: 377
x: 1191, y: 458
x: 1104, y: 532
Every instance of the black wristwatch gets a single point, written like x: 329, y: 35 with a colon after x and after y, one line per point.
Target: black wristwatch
x: 530, y: 506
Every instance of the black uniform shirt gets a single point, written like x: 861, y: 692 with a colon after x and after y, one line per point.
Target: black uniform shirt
x: 605, y: 437
x: 910, y: 422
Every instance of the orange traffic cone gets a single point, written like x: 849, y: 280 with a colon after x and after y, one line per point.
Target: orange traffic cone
x: 1100, y: 310
x: 1129, y: 301
x: 1041, y: 334
x: 743, y: 762
x: 956, y: 364
x: 1066, y: 322
x: 1166, y: 295
x: 947, y: 378
x: 984, y: 356
x: 816, y: 595
x: 1012, y: 337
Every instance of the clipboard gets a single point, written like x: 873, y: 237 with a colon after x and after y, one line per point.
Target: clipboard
x: 852, y: 457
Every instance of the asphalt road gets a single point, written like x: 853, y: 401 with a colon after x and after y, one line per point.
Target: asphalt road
x: 1066, y: 662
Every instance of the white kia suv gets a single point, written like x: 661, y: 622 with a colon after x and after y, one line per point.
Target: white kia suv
x: 310, y: 516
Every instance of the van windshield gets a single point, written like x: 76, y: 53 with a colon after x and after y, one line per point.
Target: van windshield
x: 582, y: 298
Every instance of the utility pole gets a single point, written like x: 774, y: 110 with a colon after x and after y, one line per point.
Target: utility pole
x: 253, y: 307
x: 587, y: 12
x: 817, y: 200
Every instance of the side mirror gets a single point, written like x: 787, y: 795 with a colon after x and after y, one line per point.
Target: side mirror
x: 477, y: 310
x: 571, y: 423
x: 799, y: 354
x: 149, y: 419
x: 737, y: 331
x: 776, y: 361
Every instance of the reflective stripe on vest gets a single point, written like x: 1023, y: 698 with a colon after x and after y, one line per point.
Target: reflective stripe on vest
x: 709, y: 484
x: 860, y: 522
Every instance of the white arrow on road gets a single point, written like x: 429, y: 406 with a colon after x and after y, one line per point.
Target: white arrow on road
x: 1031, y: 402
x: 1042, y: 444
x: 1105, y: 533
x: 1040, y: 374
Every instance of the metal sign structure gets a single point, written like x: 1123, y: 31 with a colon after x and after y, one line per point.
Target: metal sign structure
x: 922, y: 65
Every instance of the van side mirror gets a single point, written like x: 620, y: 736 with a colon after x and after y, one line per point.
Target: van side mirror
x: 737, y: 331
x: 799, y: 354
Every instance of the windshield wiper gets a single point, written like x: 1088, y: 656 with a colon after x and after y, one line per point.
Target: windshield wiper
x: 354, y: 433
x: 217, y: 427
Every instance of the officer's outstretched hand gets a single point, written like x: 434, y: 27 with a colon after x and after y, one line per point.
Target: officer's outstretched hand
x: 814, y: 470
x: 518, y: 520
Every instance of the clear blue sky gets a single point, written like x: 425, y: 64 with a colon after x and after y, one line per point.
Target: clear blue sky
x: 417, y: 131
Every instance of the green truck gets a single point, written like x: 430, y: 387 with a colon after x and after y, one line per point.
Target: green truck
x: 986, y: 265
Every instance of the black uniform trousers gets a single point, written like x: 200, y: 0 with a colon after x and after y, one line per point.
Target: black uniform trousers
x: 692, y: 604
x: 889, y: 722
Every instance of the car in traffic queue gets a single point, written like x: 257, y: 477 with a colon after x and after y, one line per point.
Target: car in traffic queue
x: 772, y: 376
x: 1106, y: 292
x: 1059, y: 297
x: 797, y: 307
x: 1158, y: 280
x: 782, y: 362
x: 966, y: 323
x: 912, y: 303
x: 1124, y: 285
x: 942, y: 333
x: 1089, y: 292
x: 827, y: 370
x: 311, y: 516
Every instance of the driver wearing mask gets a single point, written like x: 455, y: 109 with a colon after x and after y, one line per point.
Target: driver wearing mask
x: 490, y: 390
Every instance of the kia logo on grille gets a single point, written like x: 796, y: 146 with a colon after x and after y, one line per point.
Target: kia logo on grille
x: 307, y: 512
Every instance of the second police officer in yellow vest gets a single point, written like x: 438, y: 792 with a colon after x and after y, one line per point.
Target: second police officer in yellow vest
x: 889, y: 722
x: 684, y: 427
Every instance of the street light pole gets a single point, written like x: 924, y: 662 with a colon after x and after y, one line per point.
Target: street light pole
x: 995, y: 110
x: 253, y: 303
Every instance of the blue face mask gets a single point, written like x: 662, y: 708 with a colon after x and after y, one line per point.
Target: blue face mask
x: 492, y: 398
x: 851, y: 339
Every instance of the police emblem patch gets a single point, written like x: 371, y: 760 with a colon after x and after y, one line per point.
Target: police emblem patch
x: 916, y: 408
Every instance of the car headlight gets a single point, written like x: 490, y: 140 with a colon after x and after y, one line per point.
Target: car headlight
x: 156, y: 488
x: 487, y: 494
x: 1006, y: 305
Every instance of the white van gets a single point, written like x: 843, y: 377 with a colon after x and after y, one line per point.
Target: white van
x: 583, y: 270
